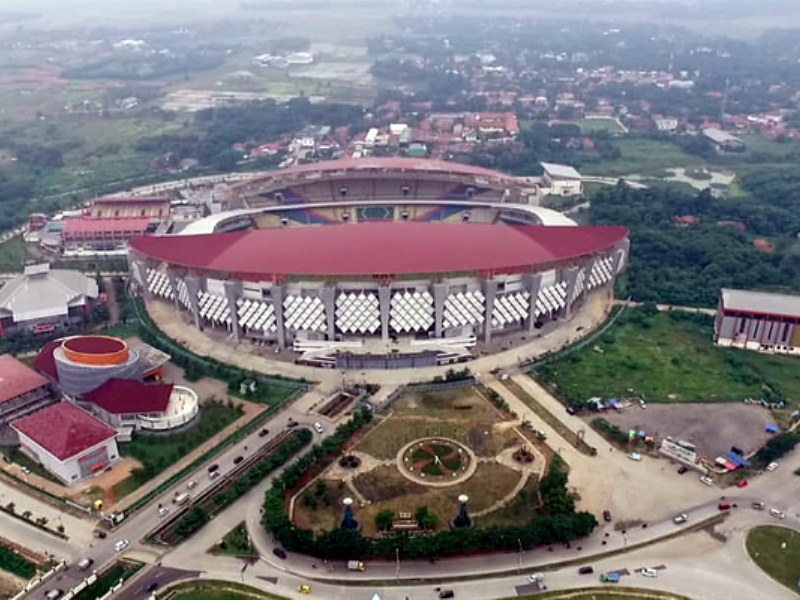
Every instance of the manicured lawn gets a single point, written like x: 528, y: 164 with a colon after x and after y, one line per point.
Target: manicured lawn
x: 782, y: 564
x: 643, y: 157
x: 219, y: 590
x: 669, y: 357
x: 157, y: 453
x: 13, y: 255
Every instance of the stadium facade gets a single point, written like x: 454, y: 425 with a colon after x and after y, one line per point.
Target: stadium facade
x: 322, y: 258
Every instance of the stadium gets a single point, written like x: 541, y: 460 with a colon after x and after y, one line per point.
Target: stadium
x: 380, y: 263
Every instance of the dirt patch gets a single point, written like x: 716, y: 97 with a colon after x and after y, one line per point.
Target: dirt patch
x: 714, y: 428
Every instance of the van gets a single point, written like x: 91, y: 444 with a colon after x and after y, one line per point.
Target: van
x: 759, y: 505
x: 181, y: 499
x: 355, y: 565
x: 85, y: 563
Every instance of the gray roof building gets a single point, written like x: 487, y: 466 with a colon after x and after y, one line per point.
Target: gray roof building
x: 765, y: 303
x: 560, y: 171
x: 41, y: 293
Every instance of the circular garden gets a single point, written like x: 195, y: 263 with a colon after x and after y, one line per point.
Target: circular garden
x: 436, y: 461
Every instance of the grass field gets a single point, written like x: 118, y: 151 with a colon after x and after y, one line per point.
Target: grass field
x: 594, y: 125
x: 218, y: 590
x: 13, y: 255
x: 235, y: 543
x: 764, y: 545
x: 669, y: 358
x: 157, y: 453
x: 643, y: 157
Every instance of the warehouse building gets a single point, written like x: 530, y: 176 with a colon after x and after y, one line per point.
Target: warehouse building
x: 67, y: 441
x: 762, y: 321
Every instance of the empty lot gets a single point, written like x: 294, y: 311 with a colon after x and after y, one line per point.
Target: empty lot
x: 713, y: 428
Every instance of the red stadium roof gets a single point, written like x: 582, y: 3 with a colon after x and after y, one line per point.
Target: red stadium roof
x: 64, y: 430
x: 418, y: 165
x: 380, y: 248
x: 127, y: 396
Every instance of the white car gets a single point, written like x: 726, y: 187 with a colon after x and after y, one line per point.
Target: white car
x: 778, y: 514
x: 648, y: 572
x: 163, y: 511
x: 318, y: 426
x: 681, y: 518
x: 192, y: 484
x: 707, y: 480
x: 121, y: 545
x: 536, y: 578
x: 771, y: 467
x: 635, y: 456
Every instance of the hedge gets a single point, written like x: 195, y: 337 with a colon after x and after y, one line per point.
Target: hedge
x: 16, y: 563
x: 557, y: 521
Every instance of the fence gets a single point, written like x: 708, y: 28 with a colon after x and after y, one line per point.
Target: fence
x: 433, y: 386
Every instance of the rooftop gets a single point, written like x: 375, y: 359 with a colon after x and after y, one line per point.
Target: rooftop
x: 764, y: 303
x: 90, y: 225
x: 45, y: 293
x: 561, y: 171
x: 64, y: 430
x: 17, y: 379
x: 127, y: 396
x: 392, y: 248
x: 122, y: 199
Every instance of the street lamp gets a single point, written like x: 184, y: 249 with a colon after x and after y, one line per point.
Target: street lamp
x: 397, y: 558
x: 348, y: 522
x: 462, y: 519
x: 521, y: 552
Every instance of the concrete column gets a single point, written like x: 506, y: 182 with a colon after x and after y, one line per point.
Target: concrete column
x: 173, y: 282
x: 440, y: 292
x: 329, y: 300
x: 489, y: 291
x: 193, y: 287
x: 233, y: 290
x: 385, y: 298
x: 277, y: 302
x: 570, y: 275
x: 533, y: 284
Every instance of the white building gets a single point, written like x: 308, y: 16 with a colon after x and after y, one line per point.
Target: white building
x: 562, y: 180
x: 67, y: 441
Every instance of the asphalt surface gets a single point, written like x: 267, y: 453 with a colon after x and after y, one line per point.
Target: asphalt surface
x: 698, y: 564
x: 136, y: 528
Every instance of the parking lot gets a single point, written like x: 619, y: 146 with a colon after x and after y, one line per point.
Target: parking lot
x: 713, y: 428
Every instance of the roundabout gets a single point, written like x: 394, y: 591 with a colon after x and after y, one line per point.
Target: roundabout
x: 436, y: 461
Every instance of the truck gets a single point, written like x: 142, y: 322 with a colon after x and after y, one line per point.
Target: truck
x: 355, y: 565
x: 609, y: 577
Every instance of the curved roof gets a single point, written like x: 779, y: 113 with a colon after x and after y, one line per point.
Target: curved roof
x: 209, y: 224
x: 371, y: 164
x: 393, y: 248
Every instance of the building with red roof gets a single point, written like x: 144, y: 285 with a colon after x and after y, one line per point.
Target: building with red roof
x: 67, y: 441
x: 90, y: 235
x: 22, y: 390
x: 130, y: 403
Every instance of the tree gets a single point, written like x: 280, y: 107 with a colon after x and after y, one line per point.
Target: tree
x: 384, y: 519
x: 11, y: 507
x: 425, y: 518
x: 27, y: 514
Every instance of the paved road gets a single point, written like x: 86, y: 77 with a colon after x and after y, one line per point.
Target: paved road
x: 136, y: 527
x: 697, y: 569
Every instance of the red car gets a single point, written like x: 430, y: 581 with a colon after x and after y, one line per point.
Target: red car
x: 742, y: 483
x: 724, y: 506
